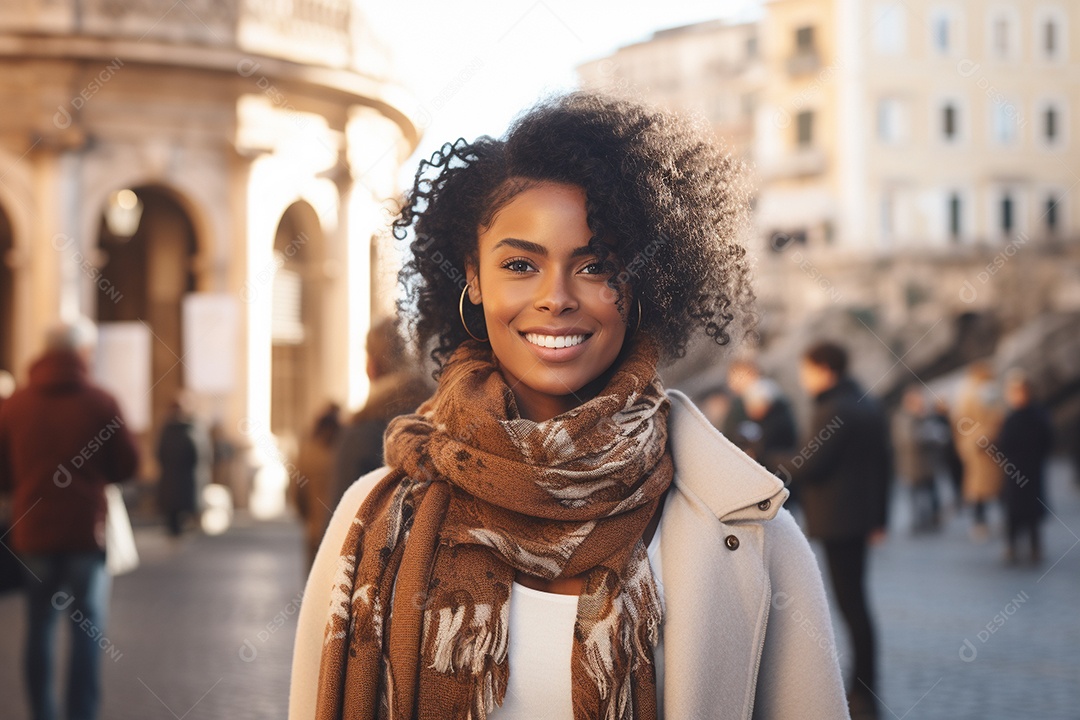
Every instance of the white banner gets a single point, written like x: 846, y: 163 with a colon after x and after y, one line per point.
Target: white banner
x: 122, y: 366
x: 211, y: 339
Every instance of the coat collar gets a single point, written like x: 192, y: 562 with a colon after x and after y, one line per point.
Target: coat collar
x: 709, y: 466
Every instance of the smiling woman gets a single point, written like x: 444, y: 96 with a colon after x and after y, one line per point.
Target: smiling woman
x: 555, y: 535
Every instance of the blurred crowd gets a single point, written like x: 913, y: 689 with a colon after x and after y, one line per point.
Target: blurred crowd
x: 951, y: 457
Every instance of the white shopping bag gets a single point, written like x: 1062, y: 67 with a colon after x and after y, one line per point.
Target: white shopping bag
x: 121, y: 556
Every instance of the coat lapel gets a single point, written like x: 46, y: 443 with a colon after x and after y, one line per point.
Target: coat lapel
x: 708, y: 465
x: 717, y: 598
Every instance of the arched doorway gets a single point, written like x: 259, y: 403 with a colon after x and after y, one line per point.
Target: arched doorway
x: 296, y: 326
x: 7, y: 294
x: 147, y: 245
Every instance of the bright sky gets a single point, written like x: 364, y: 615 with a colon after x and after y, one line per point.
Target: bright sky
x: 474, y: 64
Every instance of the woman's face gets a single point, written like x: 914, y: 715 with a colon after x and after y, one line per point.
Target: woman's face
x: 552, y: 320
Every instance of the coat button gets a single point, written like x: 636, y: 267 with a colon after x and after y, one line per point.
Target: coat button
x: 732, y: 542
x: 764, y: 505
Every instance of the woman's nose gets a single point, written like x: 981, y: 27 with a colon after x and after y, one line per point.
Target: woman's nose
x: 556, y: 296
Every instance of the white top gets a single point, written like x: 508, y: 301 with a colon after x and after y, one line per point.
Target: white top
x: 541, y: 641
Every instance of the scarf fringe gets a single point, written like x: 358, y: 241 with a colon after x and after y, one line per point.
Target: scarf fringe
x: 625, y: 636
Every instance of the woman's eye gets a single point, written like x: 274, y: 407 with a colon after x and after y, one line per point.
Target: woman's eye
x: 596, y: 268
x: 518, y: 266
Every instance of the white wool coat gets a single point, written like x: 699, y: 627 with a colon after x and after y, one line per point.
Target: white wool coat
x: 746, y: 627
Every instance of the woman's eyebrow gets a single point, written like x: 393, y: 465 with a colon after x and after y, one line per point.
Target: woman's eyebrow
x: 537, y: 248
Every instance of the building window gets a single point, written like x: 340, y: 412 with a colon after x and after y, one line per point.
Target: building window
x: 1051, y: 32
x: 891, y: 121
x: 781, y: 240
x: 804, y: 126
x: 1050, y: 217
x: 950, y: 129
x: 887, y: 201
x: 1050, y: 125
x: 805, y: 58
x: 1051, y: 35
x: 1006, y: 212
x: 941, y: 27
x: 1005, y: 122
x: 1001, y: 37
x: 955, y: 209
x: 1002, y: 34
x: 890, y: 29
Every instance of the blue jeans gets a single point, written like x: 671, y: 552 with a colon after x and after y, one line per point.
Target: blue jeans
x: 76, y: 585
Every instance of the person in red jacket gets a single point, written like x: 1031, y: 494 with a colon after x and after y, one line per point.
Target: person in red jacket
x: 61, y: 440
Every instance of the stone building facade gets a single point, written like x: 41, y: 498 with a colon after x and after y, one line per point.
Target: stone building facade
x: 207, y: 180
x: 891, y: 125
x: 712, y: 71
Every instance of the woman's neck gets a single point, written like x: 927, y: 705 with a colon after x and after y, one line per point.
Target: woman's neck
x: 539, y: 407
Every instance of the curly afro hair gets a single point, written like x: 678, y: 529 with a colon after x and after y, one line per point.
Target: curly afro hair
x: 666, y: 208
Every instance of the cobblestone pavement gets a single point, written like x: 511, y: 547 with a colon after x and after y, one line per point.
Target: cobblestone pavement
x: 964, y: 636
x: 204, y: 630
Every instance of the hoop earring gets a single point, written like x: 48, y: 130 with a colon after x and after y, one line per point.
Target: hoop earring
x: 637, y: 326
x: 461, y: 314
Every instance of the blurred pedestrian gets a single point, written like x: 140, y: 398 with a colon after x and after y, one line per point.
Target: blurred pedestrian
x: 315, y: 468
x: 1073, y: 449
x: 952, y: 463
x: 741, y: 374
x: 843, y: 472
x: 184, y: 457
x: 977, y: 422
x: 769, y: 428
x: 7, y: 386
x: 62, y: 439
x: 397, y: 388
x: 11, y: 572
x: 919, y: 439
x: 1026, y: 440
x: 223, y: 451
x: 715, y: 403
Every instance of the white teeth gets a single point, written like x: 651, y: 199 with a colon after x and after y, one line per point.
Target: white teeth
x: 555, y: 341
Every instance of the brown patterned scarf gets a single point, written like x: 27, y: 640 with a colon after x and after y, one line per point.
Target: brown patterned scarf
x: 420, y: 609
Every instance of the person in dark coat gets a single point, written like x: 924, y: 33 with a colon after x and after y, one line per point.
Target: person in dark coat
x: 314, y: 465
x: 919, y: 439
x: 11, y: 572
x: 715, y: 404
x: 768, y: 433
x: 7, y: 386
x: 1025, y: 442
x: 954, y: 464
x: 62, y: 439
x: 843, y: 473
x: 396, y: 388
x: 183, y: 453
x: 740, y: 375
